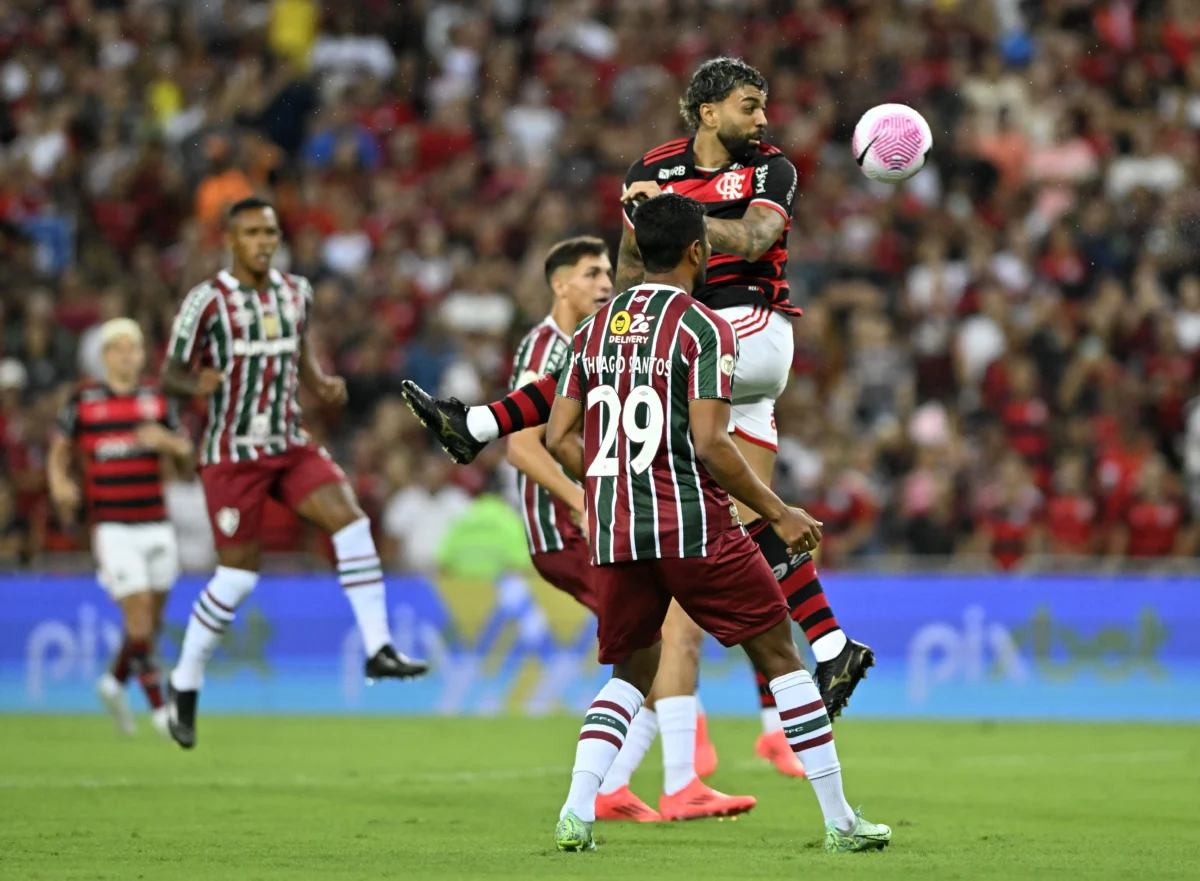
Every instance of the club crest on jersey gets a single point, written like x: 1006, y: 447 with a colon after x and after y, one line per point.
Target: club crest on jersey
x: 729, y: 186
x: 271, y: 326
x: 228, y: 520
x: 148, y: 407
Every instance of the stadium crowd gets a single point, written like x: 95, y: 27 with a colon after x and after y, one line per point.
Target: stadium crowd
x: 998, y: 357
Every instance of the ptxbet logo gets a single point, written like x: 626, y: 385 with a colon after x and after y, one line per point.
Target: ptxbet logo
x: 942, y: 653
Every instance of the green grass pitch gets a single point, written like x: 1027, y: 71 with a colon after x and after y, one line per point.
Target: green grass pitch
x: 339, y: 798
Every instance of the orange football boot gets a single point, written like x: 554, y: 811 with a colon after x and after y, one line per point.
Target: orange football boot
x: 774, y: 747
x: 705, y: 761
x: 624, y: 805
x: 698, y: 800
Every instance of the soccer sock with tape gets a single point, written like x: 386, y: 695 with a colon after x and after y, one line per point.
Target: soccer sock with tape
x: 810, y: 734
x: 766, y: 703
x: 212, y: 613
x: 806, y: 600
x: 361, y: 575
x: 641, y: 735
x: 603, y: 734
x: 677, y: 725
x: 523, y: 408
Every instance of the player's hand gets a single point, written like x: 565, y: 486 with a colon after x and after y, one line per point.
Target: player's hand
x: 66, y: 498
x: 798, y: 529
x: 208, y: 381
x: 332, y: 390
x: 640, y: 191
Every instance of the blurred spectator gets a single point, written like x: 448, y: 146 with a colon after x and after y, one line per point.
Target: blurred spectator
x: 1020, y: 320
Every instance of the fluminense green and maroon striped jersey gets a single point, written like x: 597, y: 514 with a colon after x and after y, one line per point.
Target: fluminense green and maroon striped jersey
x: 253, y: 337
x: 635, y: 365
x: 543, y: 350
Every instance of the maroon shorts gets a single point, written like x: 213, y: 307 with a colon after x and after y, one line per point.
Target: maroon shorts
x: 571, y: 571
x: 237, y: 491
x: 732, y: 594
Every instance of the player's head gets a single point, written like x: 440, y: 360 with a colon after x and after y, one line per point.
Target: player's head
x: 252, y: 234
x: 671, y: 235
x: 728, y: 98
x: 579, y: 274
x: 122, y: 349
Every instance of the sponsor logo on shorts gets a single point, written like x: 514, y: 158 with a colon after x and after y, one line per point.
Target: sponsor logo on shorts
x: 228, y: 520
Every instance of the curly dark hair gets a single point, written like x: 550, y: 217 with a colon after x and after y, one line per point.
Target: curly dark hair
x: 713, y: 81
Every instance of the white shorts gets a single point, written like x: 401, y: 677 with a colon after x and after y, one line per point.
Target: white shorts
x: 765, y: 352
x: 135, y: 557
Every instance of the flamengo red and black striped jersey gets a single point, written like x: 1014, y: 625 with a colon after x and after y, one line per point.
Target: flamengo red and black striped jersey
x: 253, y: 337
x: 635, y: 365
x: 727, y: 193
x: 122, y: 482
x: 543, y: 350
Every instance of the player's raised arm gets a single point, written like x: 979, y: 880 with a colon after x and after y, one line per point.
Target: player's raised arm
x: 750, y: 237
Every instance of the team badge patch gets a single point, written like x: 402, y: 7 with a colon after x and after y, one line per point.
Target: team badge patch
x: 619, y: 323
x: 228, y: 520
x: 726, y: 364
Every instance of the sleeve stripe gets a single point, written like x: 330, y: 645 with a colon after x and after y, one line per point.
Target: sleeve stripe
x: 771, y: 204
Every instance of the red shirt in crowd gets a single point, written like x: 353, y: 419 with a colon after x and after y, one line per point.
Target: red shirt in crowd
x: 1071, y: 524
x: 1154, y: 526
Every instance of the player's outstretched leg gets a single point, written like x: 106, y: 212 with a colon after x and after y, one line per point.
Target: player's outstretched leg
x: 212, y: 614
x: 463, y: 431
x: 605, y: 728
x: 841, y: 663
x: 809, y: 731
x: 326, y: 500
x: 772, y: 745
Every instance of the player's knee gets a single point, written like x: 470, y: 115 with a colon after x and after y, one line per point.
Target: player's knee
x: 774, y: 652
x: 139, y: 616
x: 246, y: 557
x: 639, y: 669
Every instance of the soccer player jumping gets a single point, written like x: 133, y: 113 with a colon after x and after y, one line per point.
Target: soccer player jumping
x: 653, y: 372
x: 748, y: 188
x: 245, y: 331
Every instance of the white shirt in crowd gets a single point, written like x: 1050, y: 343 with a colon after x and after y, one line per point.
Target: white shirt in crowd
x: 188, y: 512
x: 418, y: 519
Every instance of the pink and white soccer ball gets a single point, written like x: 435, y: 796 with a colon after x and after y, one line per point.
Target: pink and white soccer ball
x: 891, y: 143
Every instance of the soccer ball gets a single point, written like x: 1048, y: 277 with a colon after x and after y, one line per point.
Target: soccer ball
x: 891, y: 143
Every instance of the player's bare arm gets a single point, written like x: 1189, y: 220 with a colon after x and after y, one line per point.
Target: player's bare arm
x: 750, y: 237
x: 564, y: 435
x: 630, y: 270
x: 178, y: 380
x: 528, y: 454
x: 709, y: 418
x: 328, y: 389
x: 64, y: 491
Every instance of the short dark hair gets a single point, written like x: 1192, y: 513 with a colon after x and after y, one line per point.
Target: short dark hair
x: 664, y: 227
x: 250, y: 203
x: 712, y: 83
x: 569, y: 252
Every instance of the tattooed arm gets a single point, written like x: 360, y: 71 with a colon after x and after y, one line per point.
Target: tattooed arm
x: 748, y: 238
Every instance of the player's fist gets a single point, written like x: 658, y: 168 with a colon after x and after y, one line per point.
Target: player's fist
x: 331, y: 390
x: 640, y: 191
x: 208, y: 381
x: 798, y: 529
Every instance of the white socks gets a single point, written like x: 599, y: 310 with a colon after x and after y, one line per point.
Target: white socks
x: 677, y: 723
x: 810, y: 734
x: 212, y: 613
x: 827, y: 647
x: 482, y: 424
x: 361, y: 576
x: 637, y: 743
x: 603, y: 734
